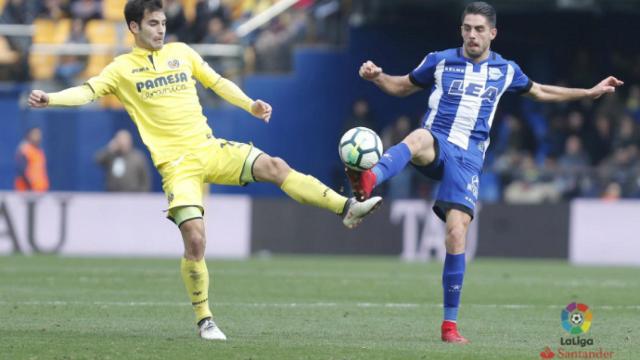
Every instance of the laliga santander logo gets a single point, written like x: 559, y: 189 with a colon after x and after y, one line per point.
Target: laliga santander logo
x: 576, y: 318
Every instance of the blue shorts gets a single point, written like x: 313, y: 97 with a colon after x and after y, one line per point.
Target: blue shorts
x: 459, y: 171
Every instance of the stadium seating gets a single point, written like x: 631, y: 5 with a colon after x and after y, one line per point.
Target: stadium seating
x: 189, y: 7
x: 113, y: 9
x: 43, y: 66
x: 102, y: 32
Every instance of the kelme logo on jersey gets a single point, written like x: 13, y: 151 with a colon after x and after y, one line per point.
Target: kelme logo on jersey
x: 139, y: 70
x: 162, y: 81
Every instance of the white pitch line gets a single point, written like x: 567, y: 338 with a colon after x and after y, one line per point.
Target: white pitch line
x: 300, y: 305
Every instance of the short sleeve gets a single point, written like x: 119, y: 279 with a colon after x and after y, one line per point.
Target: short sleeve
x: 106, y: 82
x: 422, y: 75
x: 201, y: 69
x: 521, y: 83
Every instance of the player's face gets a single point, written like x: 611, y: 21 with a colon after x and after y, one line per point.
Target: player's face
x: 150, y: 33
x: 477, y: 34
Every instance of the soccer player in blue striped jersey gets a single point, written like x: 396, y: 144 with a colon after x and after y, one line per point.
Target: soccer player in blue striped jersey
x: 466, y: 85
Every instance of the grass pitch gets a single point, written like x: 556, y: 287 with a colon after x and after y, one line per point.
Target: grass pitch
x: 306, y: 308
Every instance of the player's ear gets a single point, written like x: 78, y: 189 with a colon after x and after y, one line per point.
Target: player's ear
x: 493, y: 32
x: 134, y: 27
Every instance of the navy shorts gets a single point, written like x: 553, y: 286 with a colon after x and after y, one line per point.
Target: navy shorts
x: 458, y: 171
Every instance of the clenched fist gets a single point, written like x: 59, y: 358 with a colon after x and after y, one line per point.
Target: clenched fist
x: 38, y: 99
x: 370, y: 71
x: 261, y: 110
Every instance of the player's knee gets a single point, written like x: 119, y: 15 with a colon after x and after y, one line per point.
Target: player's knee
x: 456, y: 233
x: 419, y: 141
x: 455, y: 241
x: 194, y: 241
x: 194, y: 247
x: 278, y: 168
x: 421, y: 145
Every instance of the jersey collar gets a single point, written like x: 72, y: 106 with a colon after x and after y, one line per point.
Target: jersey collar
x: 144, y: 52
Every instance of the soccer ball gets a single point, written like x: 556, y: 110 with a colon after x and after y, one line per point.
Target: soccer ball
x: 360, y: 148
x: 576, y: 318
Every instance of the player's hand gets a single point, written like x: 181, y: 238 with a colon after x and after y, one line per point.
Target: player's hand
x: 38, y: 99
x: 605, y: 86
x: 370, y: 71
x: 261, y: 110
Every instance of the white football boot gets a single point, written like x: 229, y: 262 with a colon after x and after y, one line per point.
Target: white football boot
x: 355, y: 211
x: 210, y: 331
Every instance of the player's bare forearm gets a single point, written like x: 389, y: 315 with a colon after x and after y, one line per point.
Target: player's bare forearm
x: 393, y: 85
x: 550, y: 93
x: 399, y: 86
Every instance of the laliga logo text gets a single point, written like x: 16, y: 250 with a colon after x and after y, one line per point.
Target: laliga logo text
x: 576, y: 320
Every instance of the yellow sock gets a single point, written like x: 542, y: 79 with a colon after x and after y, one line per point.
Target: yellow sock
x: 196, y: 279
x: 306, y: 189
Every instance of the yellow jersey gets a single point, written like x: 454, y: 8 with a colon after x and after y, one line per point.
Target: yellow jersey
x: 158, y: 90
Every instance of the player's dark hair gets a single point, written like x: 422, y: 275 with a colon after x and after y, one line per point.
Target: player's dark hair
x: 481, y: 8
x: 134, y: 10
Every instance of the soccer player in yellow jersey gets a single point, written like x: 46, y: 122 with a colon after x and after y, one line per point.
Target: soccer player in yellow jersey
x: 156, y: 84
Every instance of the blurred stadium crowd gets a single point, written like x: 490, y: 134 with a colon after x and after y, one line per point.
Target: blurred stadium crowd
x: 538, y: 153
x: 101, y: 22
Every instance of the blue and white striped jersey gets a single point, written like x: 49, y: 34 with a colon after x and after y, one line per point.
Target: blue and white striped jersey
x: 464, y: 95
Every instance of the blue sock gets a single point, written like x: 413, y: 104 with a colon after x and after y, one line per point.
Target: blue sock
x: 452, y: 276
x: 392, y: 162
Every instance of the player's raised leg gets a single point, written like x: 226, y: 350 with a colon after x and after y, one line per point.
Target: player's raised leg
x: 418, y: 147
x: 306, y: 189
x: 453, y: 273
x: 194, y: 269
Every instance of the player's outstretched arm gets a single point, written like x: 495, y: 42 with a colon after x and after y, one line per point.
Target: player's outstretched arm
x: 549, y: 93
x: 75, y: 96
x: 393, y: 85
x: 234, y: 95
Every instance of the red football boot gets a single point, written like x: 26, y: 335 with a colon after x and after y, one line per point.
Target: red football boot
x: 362, y: 183
x: 450, y: 333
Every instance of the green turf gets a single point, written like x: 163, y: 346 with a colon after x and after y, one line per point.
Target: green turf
x: 306, y: 308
